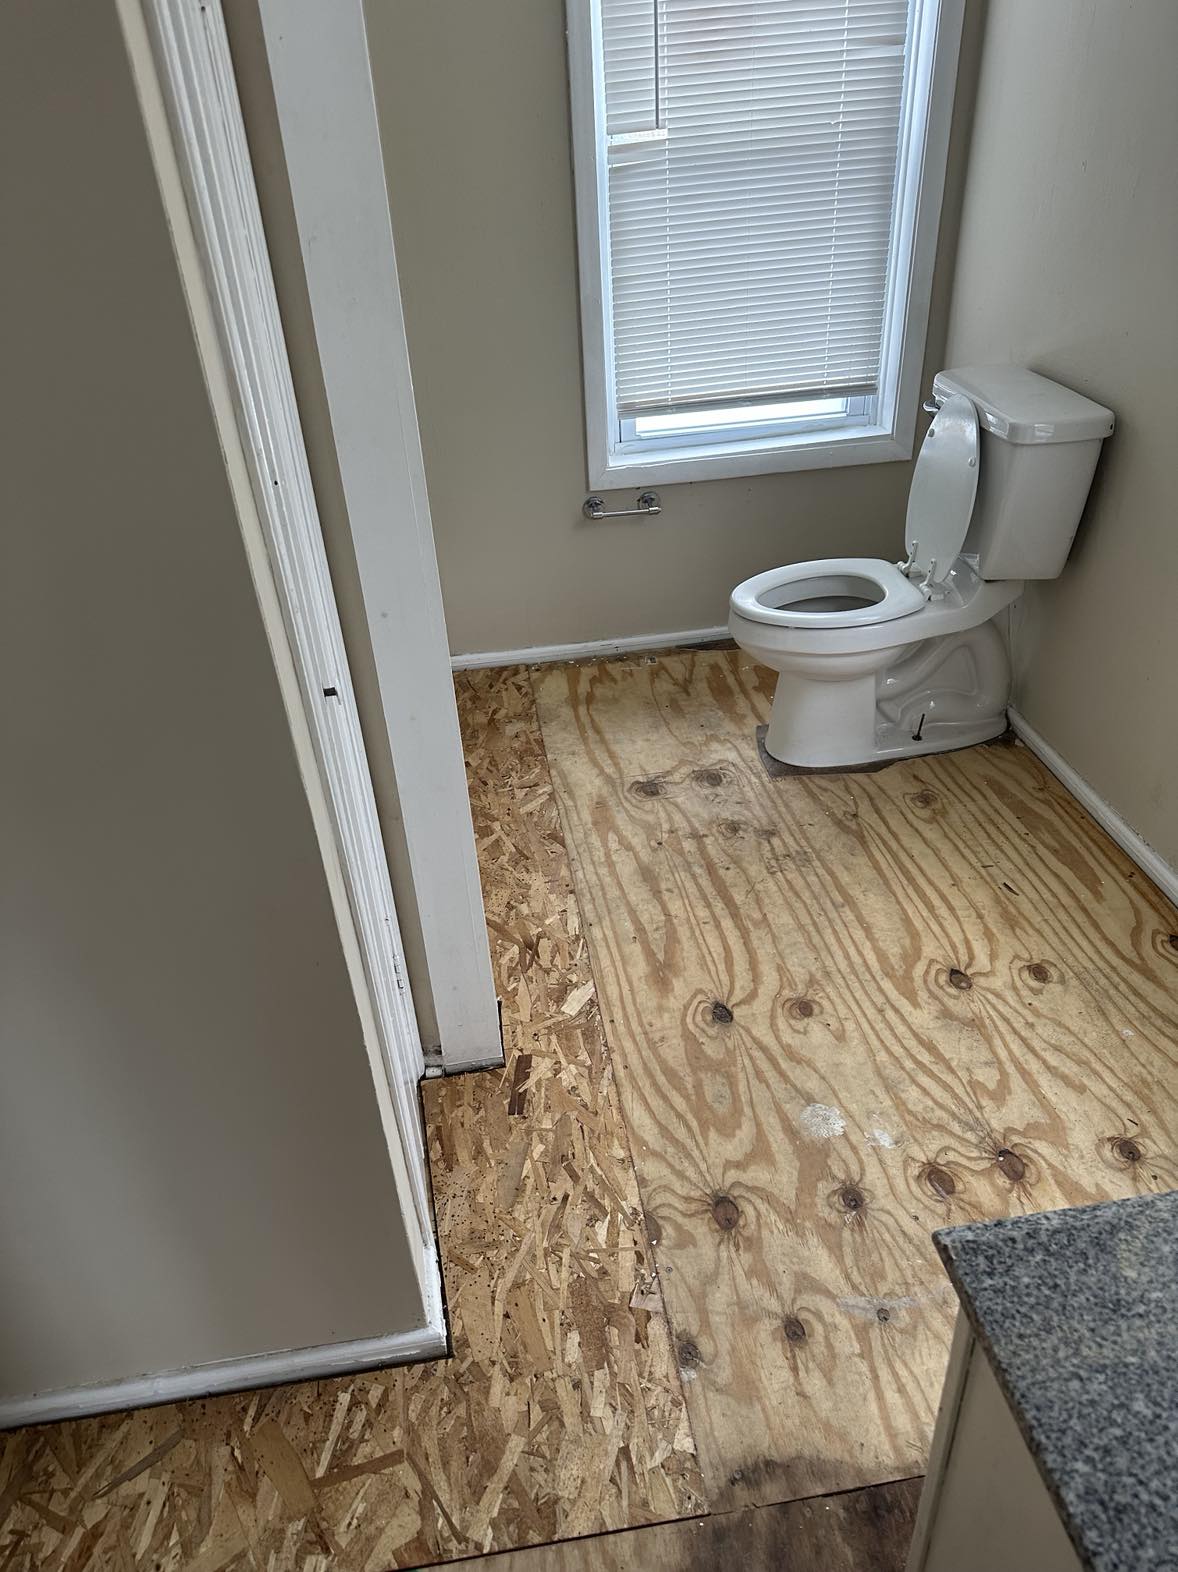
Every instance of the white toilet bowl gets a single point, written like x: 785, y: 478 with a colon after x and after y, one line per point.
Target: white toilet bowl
x: 862, y: 682
x: 879, y: 660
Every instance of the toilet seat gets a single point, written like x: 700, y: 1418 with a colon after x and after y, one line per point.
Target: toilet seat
x: 940, y: 504
x: 944, y: 486
x: 771, y: 597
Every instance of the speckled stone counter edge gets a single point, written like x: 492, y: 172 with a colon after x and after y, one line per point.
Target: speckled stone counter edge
x: 1017, y: 1278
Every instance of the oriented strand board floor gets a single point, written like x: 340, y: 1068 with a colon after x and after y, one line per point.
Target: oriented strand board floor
x: 561, y: 1412
x: 844, y: 1011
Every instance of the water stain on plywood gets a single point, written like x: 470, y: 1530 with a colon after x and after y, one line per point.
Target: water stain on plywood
x: 863, y: 1531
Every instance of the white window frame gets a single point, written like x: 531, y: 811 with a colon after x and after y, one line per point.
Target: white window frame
x: 889, y: 432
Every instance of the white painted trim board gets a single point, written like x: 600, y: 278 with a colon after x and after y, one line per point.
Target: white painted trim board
x: 323, y: 94
x: 180, y: 60
x: 595, y: 649
x: 322, y: 1362
x: 1132, y: 844
x: 235, y: 286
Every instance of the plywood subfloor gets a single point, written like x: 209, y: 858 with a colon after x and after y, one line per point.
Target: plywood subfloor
x: 862, y: 1531
x: 844, y: 1011
x: 561, y: 1412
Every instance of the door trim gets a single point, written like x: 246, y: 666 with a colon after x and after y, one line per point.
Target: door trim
x: 320, y: 1363
x: 194, y: 74
x: 326, y: 112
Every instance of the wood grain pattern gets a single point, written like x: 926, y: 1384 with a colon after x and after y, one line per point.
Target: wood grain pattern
x: 561, y: 1411
x: 862, y: 1531
x: 844, y: 1011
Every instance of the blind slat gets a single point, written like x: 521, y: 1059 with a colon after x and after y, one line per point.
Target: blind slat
x: 749, y: 247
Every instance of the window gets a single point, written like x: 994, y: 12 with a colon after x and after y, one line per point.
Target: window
x: 758, y: 190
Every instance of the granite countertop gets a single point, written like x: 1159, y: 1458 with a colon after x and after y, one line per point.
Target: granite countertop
x: 1077, y: 1312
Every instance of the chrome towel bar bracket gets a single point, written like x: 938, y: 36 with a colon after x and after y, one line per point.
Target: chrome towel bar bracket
x: 648, y: 502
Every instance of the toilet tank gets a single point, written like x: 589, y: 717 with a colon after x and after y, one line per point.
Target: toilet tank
x: 1039, y: 446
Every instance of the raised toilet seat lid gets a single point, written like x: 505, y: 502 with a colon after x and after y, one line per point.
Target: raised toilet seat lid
x: 940, y: 506
x: 944, y: 486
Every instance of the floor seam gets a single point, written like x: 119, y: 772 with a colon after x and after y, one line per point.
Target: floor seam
x: 616, y: 1090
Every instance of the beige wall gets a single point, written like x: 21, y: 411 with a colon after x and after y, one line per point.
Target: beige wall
x: 192, y: 1166
x: 474, y: 112
x: 1067, y: 263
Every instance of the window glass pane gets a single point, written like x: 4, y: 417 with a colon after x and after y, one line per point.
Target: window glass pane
x: 751, y: 167
x: 719, y: 419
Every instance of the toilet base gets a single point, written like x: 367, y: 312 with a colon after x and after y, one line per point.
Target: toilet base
x: 943, y: 693
x: 778, y: 769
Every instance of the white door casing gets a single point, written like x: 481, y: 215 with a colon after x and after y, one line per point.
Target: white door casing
x: 326, y: 110
x: 179, y: 62
x: 195, y: 75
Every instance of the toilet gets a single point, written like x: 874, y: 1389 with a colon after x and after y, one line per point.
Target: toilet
x: 879, y: 660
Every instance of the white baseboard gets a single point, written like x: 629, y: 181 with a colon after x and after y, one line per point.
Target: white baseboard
x: 1148, y: 860
x: 233, y: 1375
x: 596, y: 649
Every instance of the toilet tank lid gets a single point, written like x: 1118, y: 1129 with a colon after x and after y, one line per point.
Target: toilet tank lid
x: 1021, y: 406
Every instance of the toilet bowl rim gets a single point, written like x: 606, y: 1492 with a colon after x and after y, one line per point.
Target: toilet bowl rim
x: 899, y: 597
x: 982, y: 600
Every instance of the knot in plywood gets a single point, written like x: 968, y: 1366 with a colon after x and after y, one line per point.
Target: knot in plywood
x: 852, y: 1200
x: 725, y: 1213
x: 939, y: 1180
x: 1011, y: 1165
x: 688, y: 1354
x: 648, y: 786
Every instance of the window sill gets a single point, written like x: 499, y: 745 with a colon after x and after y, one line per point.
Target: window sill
x: 814, y: 450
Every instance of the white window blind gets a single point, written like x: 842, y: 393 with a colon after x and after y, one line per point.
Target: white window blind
x: 752, y: 149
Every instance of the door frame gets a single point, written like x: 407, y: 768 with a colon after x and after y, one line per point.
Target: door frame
x: 326, y: 116
x: 180, y: 56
